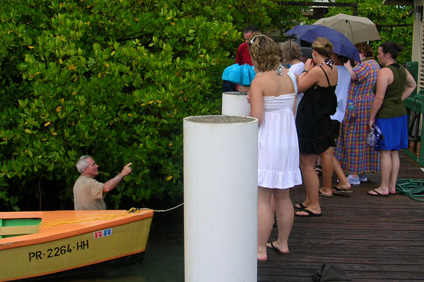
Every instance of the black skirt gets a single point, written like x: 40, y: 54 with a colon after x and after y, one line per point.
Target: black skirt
x: 313, y: 122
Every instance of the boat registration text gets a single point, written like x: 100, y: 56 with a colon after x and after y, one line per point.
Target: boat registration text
x: 58, y: 251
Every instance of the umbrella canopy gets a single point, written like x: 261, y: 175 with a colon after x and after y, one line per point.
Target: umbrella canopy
x: 342, y: 45
x: 240, y: 74
x: 357, y: 29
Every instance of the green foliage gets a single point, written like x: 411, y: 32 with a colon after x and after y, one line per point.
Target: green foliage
x: 115, y: 79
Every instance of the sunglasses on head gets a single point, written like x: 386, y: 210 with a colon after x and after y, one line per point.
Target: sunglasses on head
x: 253, y: 39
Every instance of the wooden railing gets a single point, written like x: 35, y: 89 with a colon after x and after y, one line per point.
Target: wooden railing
x: 415, y: 108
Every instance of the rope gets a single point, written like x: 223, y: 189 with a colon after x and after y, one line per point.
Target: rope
x: 170, y: 208
x: 413, y: 188
x: 173, y: 208
x: 51, y: 223
x: 55, y: 222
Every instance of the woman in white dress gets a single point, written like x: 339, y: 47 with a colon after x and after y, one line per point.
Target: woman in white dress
x: 272, y: 98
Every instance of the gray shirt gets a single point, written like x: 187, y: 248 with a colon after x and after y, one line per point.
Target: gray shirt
x: 88, y: 194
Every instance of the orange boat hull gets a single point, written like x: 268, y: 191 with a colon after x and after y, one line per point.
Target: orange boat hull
x: 72, y: 239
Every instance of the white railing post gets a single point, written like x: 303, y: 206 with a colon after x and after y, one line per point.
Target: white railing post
x: 235, y: 104
x: 220, y: 198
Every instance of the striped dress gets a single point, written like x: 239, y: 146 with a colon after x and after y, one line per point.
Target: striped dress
x: 352, y: 151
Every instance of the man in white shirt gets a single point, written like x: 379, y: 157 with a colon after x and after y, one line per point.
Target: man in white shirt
x: 89, y: 193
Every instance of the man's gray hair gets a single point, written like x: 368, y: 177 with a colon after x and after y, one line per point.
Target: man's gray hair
x: 82, y: 163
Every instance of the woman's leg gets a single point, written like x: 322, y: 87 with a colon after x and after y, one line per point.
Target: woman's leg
x: 265, y: 220
x: 386, y: 171
x: 338, y: 170
x: 395, y: 171
x: 318, y: 166
x: 311, y: 180
x: 327, y: 171
x: 285, y: 217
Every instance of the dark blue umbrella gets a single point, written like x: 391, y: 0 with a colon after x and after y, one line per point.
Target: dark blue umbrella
x: 342, y: 45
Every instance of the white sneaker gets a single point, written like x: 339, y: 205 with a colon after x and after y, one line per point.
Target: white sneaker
x: 363, y: 178
x: 353, y: 180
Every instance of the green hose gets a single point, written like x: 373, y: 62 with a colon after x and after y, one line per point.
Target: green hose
x: 411, y: 187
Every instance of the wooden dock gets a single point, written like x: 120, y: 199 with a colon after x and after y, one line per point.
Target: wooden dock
x: 374, y: 239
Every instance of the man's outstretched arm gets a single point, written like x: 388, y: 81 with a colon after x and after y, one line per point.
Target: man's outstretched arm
x: 112, y: 183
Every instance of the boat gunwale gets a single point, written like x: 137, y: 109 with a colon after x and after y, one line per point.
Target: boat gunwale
x: 45, y: 236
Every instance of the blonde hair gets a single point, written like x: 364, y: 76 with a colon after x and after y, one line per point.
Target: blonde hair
x: 291, y: 51
x: 265, y: 52
x: 323, y: 47
x: 256, y: 33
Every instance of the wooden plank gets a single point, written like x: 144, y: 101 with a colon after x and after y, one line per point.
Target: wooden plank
x: 19, y: 230
x: 374, y: 239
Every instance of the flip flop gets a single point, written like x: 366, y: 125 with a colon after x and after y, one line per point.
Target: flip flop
x: 341, y: 191
x: 300, y: 206
x: 378, y: 194
x: 309, y: 213
x: 325, y: 195
x: 271, y: 246
x: 318, y: 170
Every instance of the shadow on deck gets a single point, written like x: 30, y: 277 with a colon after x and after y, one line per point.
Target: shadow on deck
x: 374, y: 239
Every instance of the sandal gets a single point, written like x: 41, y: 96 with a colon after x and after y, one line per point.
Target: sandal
x: 300, y: 206
x: 308, y: 213
x: 318, y: 170
x: 342, y: 191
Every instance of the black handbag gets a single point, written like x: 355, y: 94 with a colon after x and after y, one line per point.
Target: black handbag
x: 330, y: 272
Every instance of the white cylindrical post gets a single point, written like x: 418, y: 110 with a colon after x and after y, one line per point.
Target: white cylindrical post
x: 220, y: 198
x: 235, y: 104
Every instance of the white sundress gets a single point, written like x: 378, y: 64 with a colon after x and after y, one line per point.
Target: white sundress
x: 278, y: 147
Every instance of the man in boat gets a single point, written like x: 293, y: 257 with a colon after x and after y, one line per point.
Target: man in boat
x: 89, y: 193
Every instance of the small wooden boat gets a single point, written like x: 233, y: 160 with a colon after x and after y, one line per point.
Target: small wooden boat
x: 34, y: 244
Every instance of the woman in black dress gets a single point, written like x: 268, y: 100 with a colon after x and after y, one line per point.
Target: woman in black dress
x: 314, y: 128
